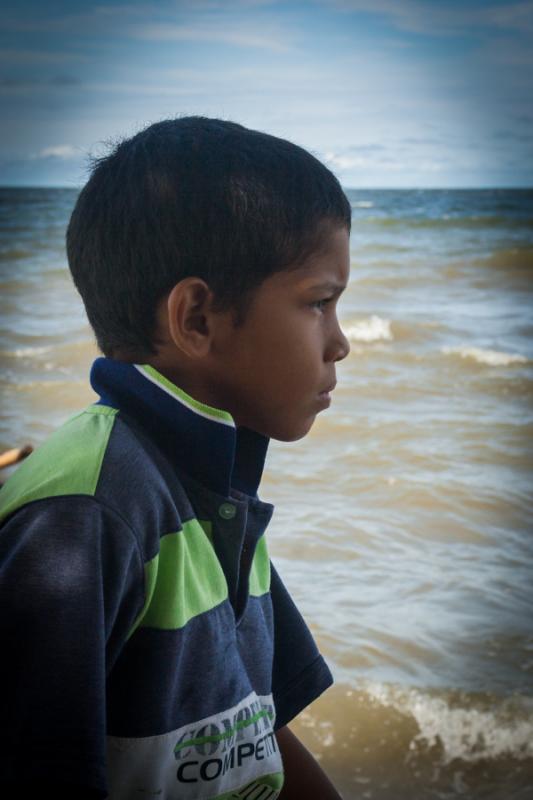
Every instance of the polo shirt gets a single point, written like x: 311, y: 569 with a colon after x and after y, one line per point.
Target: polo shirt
x: 151, y: 648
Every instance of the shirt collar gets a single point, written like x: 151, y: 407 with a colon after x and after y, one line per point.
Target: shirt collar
x: 200, y: 440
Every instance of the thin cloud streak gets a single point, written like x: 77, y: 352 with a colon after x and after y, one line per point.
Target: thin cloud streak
x: 97, y: 20
x: 13, y: 56
x: 208, y: 33
x: 62, y: 151
x: 418, y: 16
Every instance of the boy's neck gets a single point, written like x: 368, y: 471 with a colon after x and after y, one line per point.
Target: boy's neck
x: 190, y: 381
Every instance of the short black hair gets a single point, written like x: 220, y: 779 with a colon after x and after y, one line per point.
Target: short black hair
x: 193, y: 196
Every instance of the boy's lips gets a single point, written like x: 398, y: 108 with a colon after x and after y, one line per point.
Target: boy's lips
x: 325, y: 395
x: 328, y: 389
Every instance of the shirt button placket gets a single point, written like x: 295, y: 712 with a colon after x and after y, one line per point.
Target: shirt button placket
x: 227, y: 511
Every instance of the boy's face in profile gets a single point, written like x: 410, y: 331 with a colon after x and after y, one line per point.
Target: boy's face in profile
x: 274, y: 372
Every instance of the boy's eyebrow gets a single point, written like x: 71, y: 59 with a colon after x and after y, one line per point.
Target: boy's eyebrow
x: 328, y: 286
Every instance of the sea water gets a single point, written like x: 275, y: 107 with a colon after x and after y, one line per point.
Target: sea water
x: 403, y: 520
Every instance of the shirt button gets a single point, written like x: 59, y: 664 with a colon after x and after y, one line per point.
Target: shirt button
x: 227, y: 511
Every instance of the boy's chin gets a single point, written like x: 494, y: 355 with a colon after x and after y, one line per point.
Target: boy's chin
x: 286, y: 430
x: 292, y: 433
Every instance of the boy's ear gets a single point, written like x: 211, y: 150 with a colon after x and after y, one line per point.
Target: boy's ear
x: 188, y: 307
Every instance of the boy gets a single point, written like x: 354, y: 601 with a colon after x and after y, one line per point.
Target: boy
x: 153, y: 650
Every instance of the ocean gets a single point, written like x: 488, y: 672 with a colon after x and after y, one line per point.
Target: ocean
x: 403, y: 523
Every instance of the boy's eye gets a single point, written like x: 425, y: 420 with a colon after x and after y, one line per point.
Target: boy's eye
x: 320, y: 304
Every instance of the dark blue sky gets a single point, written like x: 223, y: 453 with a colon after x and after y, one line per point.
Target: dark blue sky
x: 387, y: 92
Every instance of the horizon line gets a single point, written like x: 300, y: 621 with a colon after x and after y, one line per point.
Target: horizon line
x: 345, y: 188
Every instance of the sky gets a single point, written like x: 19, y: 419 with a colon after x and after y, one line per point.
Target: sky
x: 388, y: 93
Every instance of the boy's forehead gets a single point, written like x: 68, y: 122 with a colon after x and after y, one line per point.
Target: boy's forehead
x: 325, y: 271
x: 327, y: 268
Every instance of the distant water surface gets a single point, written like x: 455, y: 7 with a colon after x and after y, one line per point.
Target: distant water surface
x: 403, y: 521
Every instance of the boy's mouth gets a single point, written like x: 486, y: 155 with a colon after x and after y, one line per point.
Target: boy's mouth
x: 325, y: 395
x: 328, y: 389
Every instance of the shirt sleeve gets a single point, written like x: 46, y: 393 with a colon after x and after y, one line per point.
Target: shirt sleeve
x: 71, y: 585
x: 299, y: 673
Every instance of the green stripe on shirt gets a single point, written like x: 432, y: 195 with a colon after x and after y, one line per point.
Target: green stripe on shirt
x: 69, y: 462
x: 259, y: 582
x: 183, y: 580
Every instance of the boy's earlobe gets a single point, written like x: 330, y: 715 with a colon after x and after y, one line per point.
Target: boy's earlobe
x: 188, y: 304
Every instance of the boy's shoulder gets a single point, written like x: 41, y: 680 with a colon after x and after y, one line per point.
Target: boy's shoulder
x: 67, y: 463
x: 95, y: 454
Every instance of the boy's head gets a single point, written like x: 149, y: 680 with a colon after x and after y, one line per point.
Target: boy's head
x: 196, y: 203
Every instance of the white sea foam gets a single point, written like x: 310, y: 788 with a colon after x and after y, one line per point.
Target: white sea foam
x: 493, y: 358
x: 363, y: 204
x: 503, y: 727
x: 372, y: 329
x: 28, y: 352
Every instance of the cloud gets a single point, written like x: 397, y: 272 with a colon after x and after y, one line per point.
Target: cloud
x: 419, y: 141
x: 61, y: 151
x: 65, y: 80
x: 385, y: 160
x: 508, y: 135
x: 224, y: 5
x: 514, y: 16
x: 96, y: 20
x: 13, y: 56
x: 509, y: 51
x: 366, y: 148
x: 205, y: 21
x: 344, y: 162
x: 212, y: 32
x: 13, y: 86
x: 419, y: 16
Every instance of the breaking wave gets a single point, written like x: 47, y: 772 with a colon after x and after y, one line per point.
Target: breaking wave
x: 373, y: 329
x: 492, y: 358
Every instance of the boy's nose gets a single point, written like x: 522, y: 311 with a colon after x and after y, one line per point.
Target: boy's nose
x: 345, y: 347
x: 340, y: 346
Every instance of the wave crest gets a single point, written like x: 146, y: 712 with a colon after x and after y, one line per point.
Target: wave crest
x: 493, y: 358
x: 372, y: 329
